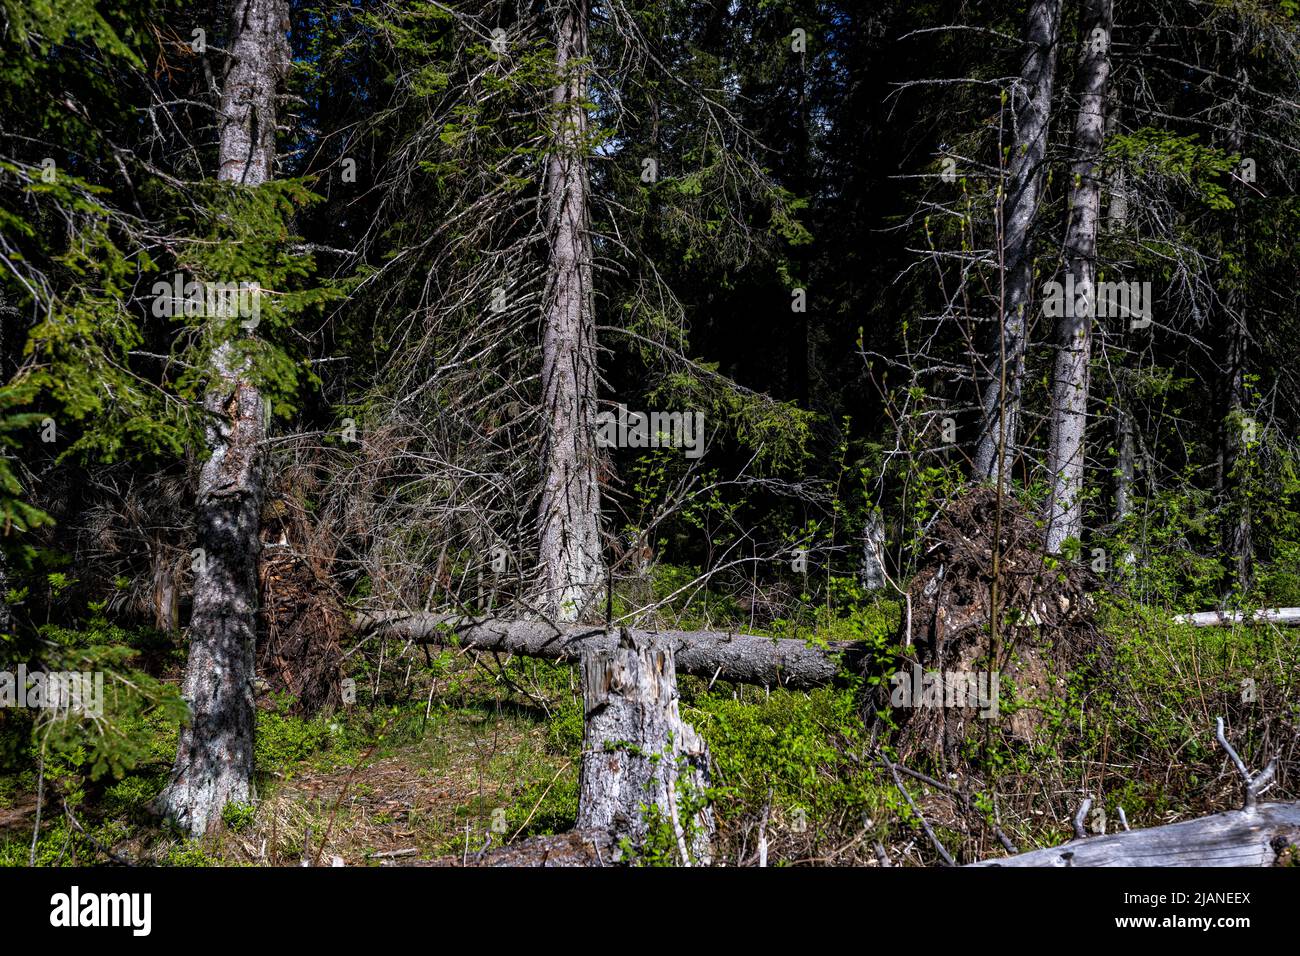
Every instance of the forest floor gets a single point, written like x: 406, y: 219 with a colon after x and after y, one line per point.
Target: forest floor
x: 462, y: 753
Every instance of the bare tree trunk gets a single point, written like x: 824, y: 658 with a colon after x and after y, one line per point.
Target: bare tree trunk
x: 1066, y: 445
x: 8, y: 317
x: 1126, y: 452
x: 214, y: 762
x: 1238, y: 541
x: 166, y: 594
x: 572, y: 570
x: 873, y: 552
x: 1032, y: 98
x: 6, y: 615
x: 639, y: 758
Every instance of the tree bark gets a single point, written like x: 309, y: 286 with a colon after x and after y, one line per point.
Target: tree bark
x: 1236, y: 838
x: 572, y: 569
x: 639, y: 758
x: 720, y: 655
x: 1032, y: 96
x: 1066, y: 445
x: 214, y: 761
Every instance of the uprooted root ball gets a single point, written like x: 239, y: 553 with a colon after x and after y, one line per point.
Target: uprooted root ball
x: 946, y: 684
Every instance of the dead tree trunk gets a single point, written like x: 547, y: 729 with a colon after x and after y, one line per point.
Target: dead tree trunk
x: 214, y: 762
x: 572, y: 569
x: 166, y: 592
x: 1236, y: 838
x: 1066, y: 446
x: 1240, y: 545
x: 713, y: 655
x: 643, y: 767
x: 1032, y: 98
x: 1274, y: 615
x: 1124, y: 465
x: 873, y: 553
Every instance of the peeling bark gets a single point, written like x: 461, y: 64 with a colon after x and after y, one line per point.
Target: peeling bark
x: 214, y: 761
x: 1032, y: 98
x: 572, y: 569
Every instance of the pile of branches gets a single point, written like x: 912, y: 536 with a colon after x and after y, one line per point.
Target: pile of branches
x: 299, y: 653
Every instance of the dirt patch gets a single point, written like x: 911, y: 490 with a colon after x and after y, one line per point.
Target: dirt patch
x: 413, y: 804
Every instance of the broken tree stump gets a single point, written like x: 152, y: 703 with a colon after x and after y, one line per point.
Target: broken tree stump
x: 642, y: 765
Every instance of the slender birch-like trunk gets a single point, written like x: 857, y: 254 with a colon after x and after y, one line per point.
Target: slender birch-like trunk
x: 1066, y: 441
x: 572, y: 569
x: 1238, y: 540
x: 1124, y: 470
x: 214, y: 762
x: 1032, y: 99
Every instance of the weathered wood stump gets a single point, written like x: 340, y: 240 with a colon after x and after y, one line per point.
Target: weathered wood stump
x: 643, y: 768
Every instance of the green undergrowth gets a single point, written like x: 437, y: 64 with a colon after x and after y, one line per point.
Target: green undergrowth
x: 494, y: 755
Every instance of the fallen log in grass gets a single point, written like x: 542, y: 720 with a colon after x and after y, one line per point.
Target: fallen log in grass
x: 1255, y: 837
x: 1268, y: 615
x: 713, y: 655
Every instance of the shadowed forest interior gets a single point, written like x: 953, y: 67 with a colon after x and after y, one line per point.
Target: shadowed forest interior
x: 669, y: 432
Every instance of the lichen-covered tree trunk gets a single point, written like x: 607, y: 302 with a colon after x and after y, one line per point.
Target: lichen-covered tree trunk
x: 1066, y: 441
x: 641, y: 763
x: 572, y: 569
x: 214, y: 762
x: 1032, y: 98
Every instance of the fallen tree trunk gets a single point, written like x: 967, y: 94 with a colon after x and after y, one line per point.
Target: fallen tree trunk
x: 1271, y: 615
x: 1252, y: 837
x: 713, y: 655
